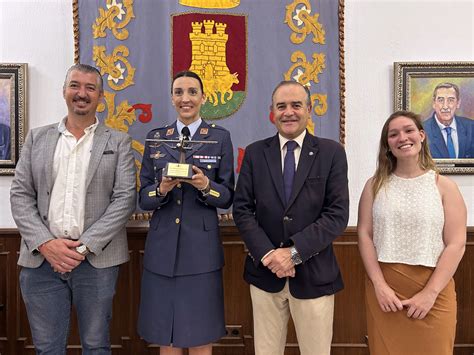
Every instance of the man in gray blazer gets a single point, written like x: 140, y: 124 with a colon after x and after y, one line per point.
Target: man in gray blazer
x: 73, y: 192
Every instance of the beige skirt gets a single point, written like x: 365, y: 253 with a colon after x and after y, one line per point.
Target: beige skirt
x: 393, y: 333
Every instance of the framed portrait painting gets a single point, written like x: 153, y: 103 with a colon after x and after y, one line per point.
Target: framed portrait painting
x: 12, y: 114
x: 442, y: 93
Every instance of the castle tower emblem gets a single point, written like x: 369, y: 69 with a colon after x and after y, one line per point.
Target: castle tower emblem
x: 219, y: 59
x: 209, y: 60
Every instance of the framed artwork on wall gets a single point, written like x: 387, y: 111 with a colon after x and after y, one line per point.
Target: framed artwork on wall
x: 12, y: 114
x: 442, y: 93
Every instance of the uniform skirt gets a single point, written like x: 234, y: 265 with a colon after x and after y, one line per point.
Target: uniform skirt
x: 182, y: 311
x: 394, y: 333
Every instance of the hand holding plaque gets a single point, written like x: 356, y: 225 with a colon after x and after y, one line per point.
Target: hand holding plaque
x: 180, y: 170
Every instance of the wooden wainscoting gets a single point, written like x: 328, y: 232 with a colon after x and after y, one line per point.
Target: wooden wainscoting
x: 349, y: 319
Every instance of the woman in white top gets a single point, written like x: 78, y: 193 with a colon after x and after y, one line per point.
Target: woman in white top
x: 412, y: 236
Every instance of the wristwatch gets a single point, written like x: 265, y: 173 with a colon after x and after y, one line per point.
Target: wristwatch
x: 82, y: 249
x: 295, y: 256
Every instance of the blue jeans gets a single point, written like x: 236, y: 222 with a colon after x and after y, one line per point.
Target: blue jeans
x: 49, y: 298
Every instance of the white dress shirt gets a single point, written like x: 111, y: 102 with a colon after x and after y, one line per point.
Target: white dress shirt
x: 192, y: 127
x: 70, y: 164
x: 299, y: 140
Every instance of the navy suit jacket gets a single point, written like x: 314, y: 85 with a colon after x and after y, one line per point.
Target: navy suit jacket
x: 316, y: 214
x: 183, y: 238
x: 465, y: 128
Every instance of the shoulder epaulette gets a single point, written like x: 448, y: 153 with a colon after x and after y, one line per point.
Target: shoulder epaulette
x: 214, y: 126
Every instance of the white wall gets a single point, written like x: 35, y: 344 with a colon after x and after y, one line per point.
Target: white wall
x: 377, y: 33
x: 37, y: 32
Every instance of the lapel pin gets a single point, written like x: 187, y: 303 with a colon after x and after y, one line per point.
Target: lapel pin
x: 204, y: 131
x: 170, y: 131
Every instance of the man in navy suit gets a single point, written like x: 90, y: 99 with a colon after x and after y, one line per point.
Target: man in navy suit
x: 288, y: 223
x: 449, y: 136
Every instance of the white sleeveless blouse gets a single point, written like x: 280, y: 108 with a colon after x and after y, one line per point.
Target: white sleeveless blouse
x: 408, y: 220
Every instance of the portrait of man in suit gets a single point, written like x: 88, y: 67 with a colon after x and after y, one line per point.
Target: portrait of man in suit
x: 291, y: 202
x: 450, y: 136
x: 73, y: 192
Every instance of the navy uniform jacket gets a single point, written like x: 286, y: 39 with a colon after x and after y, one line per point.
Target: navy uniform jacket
x: 184, y: 233
x: 316, y: 214
x: 438, y: 149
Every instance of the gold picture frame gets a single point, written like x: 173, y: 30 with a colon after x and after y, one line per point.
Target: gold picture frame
x: 414, y: 84
x: 12, y: 114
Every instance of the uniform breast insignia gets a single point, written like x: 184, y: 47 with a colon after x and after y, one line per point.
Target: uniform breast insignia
x: 204, y: 131
x: 207, y: 158
x: 181, y: 169
x: 157, y: 155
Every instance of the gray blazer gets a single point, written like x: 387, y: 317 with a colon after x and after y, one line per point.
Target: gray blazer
x: 110, y: 195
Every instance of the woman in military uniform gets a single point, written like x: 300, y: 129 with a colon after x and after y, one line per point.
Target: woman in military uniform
x: 182, y: 293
